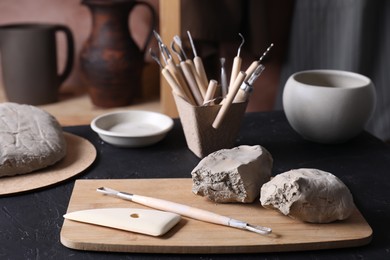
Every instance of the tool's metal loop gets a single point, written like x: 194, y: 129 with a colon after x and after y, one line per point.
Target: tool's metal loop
x: 242, y: 43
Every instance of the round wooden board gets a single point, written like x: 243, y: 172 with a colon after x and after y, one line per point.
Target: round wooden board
x: 80, y: 154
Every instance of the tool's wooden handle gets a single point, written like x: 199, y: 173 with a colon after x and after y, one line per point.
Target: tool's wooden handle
x: 191, y: 83
x: 210, y: 91
x: 241, y: 96
x: 249, y: 71
x: 182, y: 209
x: 201, y: 86
x: 200, y: 69
x: 176, y: 88
x: 178, y: 75
x: 229, y: 99
x: 235, y: 70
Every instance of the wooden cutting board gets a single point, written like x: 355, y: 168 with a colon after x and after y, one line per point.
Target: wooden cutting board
x: 193, y: 236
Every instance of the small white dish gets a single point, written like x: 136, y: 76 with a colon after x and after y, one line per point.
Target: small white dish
x: 133, y: 128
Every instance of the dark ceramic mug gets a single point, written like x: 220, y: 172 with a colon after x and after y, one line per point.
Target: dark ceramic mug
x: 29, y: 61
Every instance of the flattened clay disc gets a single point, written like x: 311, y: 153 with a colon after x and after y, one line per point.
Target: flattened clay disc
x: 30, y: 139
x: 80, y: 154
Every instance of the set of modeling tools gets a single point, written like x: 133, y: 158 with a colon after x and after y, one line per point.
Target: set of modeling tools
x: 188, y: 79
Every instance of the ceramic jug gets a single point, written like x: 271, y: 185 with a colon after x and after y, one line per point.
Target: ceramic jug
x: 111, y: 62
x: 29, y: 61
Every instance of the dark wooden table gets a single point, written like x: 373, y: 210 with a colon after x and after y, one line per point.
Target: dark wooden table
x: 30, y: 223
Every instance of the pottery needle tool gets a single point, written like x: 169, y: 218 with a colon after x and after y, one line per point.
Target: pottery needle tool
x: 224, y: 84
x: 176, y: 88
x: 247, y: 86
x: 236, y: 62
x: 187, y: 211
x: 256, y: 63
x: 198, y: 61
x: 202, y: 87
x: 227, y: 102
x: 211, y: 89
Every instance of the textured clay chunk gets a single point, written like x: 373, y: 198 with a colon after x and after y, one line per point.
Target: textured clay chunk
x: 233, y: 175
x: 30, y: 139
x: 310, y: 195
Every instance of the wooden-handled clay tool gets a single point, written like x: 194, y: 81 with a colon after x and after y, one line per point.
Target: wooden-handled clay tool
x: 191, y: 81
x: 236, y: 63
x: 227, y: 102
x: 256, y: 63
x: 198, y: 61
x: 174, y: 71
x: 189, y: 76
x: 201, y: 86
x: 184, y: 210
x: 176, y: 88
x: 247, y: 86
x: 211, y: 89
x: 179, y: 76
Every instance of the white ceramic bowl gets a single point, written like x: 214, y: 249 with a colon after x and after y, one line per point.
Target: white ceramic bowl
x: 133, y: 128
x: 328, y: 106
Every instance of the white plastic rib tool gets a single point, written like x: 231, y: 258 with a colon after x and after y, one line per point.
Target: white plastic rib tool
x: 145, y: 221
x: 187, y: 211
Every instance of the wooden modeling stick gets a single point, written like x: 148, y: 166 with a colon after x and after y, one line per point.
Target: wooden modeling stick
x: 210, y: 91
x: 183, y: 57
x: 191, y: 82
x: 167, y: 71
x: 198, y: 62
x: 171, y: 66
x: 177, y: 73
x: 187, y: 71
x: 199, y: 82
x: 229, y: 99
x: 236, y: 63
x: 174, y: 85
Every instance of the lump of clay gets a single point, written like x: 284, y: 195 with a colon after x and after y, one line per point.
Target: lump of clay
x: 30, y: 139
x: 233, y: 175
x: 310, y: 195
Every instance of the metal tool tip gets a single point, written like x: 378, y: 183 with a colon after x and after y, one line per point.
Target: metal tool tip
x: 242, y: 43
x: 107, y: 191
x: 259, y: 229
x: 158, y: 37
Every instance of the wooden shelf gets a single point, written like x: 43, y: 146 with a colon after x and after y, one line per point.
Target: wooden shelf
x: 76, y: 108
